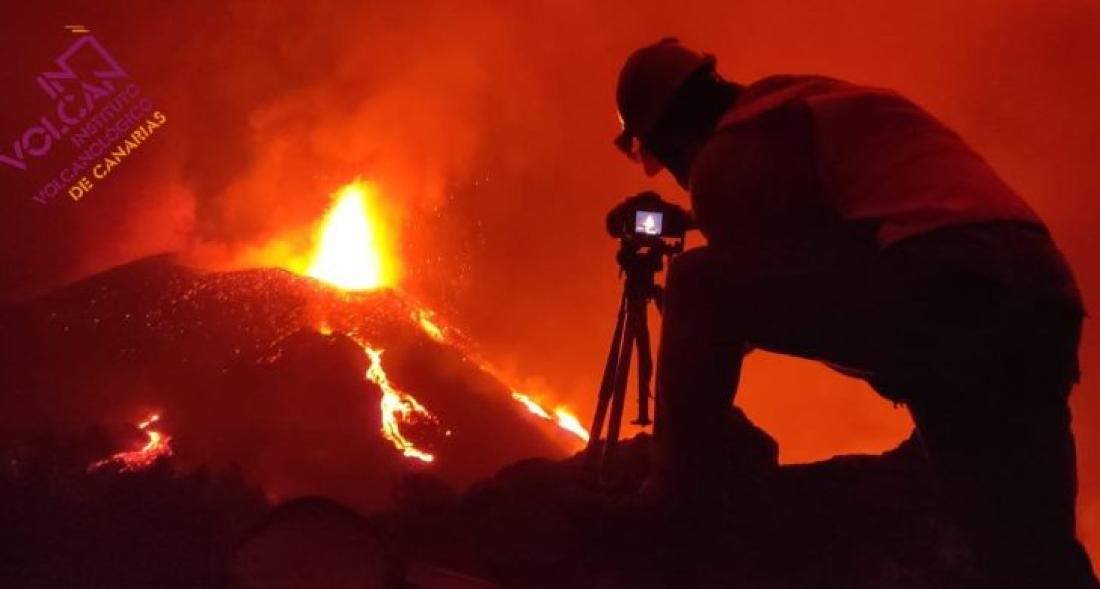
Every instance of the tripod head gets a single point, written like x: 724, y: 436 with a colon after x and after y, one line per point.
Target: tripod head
x: 640, y: 261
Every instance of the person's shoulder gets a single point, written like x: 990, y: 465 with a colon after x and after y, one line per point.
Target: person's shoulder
x: 734, y: 149
x: 777, y: 92
x: 777, y: 82
x: 758, y: 127
x: 791, y: 87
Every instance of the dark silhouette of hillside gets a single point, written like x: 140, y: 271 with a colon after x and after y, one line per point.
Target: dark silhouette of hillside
x: 237, y: 366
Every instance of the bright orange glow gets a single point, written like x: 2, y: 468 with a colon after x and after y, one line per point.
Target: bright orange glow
x: 426, y: 319
x: 562, y: 416
x: 569, y: 422
x: 397, y: 408
x: 156, y: 446
x: 532, y: 406
x: 350, y: 250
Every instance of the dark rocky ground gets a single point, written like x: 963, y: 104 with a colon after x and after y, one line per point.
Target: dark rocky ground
x: 851, y: 522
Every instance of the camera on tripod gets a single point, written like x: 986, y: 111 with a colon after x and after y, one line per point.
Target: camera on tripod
x: 649, y: 229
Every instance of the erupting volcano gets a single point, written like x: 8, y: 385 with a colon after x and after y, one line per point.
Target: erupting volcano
x: 355, y: 252
x: 327, y: 379
x: 350, y: 255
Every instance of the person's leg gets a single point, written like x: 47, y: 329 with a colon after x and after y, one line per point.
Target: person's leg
x: 716, y: 303
x: 989, y: 358
x: 1008, y: 476
x: 698, y: 366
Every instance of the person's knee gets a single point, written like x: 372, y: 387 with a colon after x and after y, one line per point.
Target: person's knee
x: 690, y: 302
x: 691, y: 271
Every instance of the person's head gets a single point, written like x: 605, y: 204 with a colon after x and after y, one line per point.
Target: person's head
x: 670, y: 99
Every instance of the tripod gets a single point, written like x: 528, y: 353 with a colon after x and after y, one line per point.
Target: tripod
x: 639, y: 261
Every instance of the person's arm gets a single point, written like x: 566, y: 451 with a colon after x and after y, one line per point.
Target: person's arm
x: 748, y: 189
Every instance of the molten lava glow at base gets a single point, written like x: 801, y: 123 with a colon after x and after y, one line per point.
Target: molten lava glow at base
x: 157, y: 446
x: 397, y: 408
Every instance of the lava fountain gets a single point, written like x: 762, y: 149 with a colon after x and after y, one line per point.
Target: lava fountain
x: 351, y: 250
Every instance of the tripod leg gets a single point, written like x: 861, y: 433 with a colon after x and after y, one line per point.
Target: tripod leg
x: 645, y: 361
x: 607, y: 382
x: 618, y: 396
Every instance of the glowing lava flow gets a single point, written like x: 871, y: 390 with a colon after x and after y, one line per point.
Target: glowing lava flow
x: 397, y: 407
x: 532, y: 406
x: 569, y: 422
x: 426, y: 319
x: 155, y: 447
x: 562, y: 416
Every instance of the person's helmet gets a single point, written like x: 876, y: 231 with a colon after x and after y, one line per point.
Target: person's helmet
x: 648, y: 81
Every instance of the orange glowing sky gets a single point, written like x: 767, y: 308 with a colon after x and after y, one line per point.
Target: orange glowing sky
x: 486, y: 127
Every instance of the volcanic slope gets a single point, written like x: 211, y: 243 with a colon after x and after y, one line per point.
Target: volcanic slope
x: 261, y: 368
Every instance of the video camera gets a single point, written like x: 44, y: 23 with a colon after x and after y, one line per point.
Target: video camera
x: 647, y: 219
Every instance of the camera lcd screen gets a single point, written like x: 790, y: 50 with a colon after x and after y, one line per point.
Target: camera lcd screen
x: 648, y: 222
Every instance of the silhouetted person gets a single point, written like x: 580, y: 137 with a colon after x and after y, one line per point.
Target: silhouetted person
x: 845, y: 224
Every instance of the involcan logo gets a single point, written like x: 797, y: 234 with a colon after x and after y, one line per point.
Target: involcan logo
x: 95, y: 115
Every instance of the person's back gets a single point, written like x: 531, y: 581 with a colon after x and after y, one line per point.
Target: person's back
x: 878, y: 160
